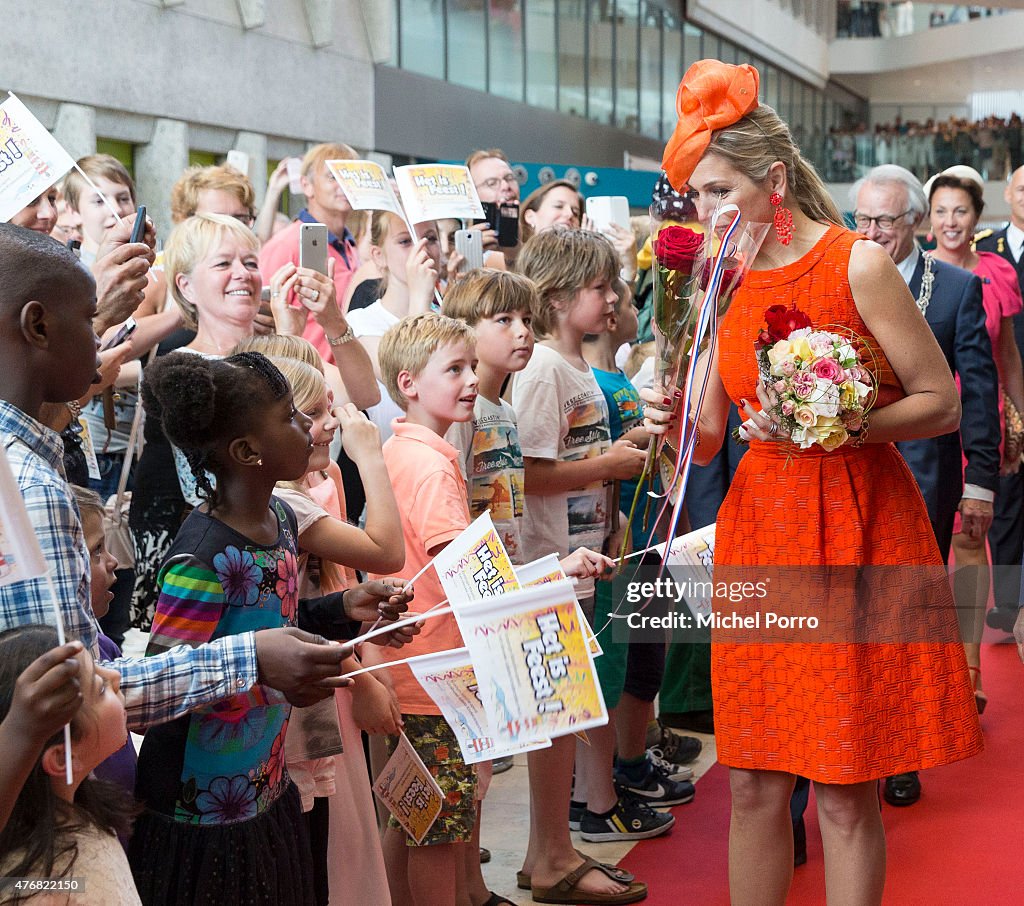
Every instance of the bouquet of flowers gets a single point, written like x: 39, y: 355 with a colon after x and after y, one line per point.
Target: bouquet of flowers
x: 823, y: 389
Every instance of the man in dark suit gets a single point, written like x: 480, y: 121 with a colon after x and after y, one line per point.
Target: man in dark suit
x: 889, y: 203
x: 1006, y: 537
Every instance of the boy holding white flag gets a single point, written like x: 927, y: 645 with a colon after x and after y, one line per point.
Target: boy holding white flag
x: 427, y: 364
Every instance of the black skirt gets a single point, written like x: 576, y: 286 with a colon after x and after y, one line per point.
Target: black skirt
x: 265, y: 861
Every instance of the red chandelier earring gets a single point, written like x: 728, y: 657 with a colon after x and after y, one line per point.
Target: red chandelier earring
x: 783, y: 219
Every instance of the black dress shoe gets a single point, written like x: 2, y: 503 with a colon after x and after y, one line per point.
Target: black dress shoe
x: 1002, y: 618
x: 799, y: 843
x: 902, y: 789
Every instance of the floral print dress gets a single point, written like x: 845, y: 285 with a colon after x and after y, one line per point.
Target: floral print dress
x: 221, y: 768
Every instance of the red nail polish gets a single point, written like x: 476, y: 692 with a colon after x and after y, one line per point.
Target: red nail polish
x: 679, y: 394
x: 667, y: 400
x: 743, y: 403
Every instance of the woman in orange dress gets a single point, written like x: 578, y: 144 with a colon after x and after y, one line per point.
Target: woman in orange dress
x: 846, y: 710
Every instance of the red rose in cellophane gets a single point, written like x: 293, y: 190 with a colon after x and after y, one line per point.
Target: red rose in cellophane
x: 677, y: 248
x: 782, y: 321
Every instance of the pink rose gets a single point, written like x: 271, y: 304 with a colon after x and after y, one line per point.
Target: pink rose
x: 803, y: 385
x: 853, y: 422
x: 787, y: 407
x: 828, y: 369
x: 779, y: 386
x: 788, y: 367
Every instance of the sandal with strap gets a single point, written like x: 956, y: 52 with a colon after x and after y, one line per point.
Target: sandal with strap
x: 612, y: 872
x: 496, y: 899
x: 566, y: 891
x: 980, y: 698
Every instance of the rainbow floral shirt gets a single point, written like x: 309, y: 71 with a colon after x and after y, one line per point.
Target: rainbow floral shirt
x: 222, y: 763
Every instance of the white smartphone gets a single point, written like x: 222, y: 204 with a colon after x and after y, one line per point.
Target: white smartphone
x: 313, y: 247
x: 470, y: 244
x: 608, y: 209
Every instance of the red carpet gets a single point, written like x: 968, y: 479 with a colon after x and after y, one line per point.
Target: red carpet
x: 961, y: 844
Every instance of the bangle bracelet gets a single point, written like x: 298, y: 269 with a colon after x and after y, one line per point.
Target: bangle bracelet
x: 860, y: 438
x: 347, y: 337
x: 75, y: 408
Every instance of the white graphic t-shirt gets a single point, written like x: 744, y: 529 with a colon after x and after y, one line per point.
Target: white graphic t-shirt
x: 492, y: 463
x: 562, y: 416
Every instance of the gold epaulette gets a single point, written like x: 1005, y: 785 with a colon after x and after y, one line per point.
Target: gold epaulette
x: 984, y: 234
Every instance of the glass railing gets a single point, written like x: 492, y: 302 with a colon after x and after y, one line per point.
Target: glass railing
x: 886, y: 20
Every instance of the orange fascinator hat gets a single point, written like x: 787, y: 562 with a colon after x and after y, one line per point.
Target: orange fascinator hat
x: 712, y: 95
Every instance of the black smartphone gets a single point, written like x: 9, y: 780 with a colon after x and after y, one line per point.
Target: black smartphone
x: 508, y: 224
x: 139, y: 228
x: 127, y: 329
x: 504, y: 220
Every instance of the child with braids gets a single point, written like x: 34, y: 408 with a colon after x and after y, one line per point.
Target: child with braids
x: 223, y: 822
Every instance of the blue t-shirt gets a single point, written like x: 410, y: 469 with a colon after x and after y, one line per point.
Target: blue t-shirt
x: 625, y: 411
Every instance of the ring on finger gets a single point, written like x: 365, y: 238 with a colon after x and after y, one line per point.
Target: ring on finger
x: 315, y: 296
x: 774, y: 429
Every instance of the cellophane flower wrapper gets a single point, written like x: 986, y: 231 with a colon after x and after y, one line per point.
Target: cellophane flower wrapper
x: 741, y: 250
x: 683, y: 265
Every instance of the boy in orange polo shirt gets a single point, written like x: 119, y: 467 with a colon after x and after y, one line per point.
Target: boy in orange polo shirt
x: 427, y: 363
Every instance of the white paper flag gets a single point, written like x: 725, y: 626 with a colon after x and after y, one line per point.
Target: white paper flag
x: 20, y: 555
x: 438, y: 191
x: 534, y: 666
x: 475, y: 565
x: 449, y: 679
x: 31, y: 160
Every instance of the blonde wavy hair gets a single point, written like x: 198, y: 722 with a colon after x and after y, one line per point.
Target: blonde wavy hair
x: 560, y: 263
x: 308, y: 388
x: 757, y: 141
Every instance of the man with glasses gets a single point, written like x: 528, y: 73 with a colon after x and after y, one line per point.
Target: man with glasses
x: 889, y: 204
x: 495, y: 183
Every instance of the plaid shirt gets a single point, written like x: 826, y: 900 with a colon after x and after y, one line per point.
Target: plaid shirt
x: 156, y: 689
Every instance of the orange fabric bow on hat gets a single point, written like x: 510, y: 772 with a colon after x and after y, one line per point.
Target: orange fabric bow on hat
x: 712, y: 95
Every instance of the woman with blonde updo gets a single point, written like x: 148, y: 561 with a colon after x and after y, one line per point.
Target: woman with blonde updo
x: 843, y: 710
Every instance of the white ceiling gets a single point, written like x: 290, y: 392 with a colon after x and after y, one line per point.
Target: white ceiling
x: 951, y: 82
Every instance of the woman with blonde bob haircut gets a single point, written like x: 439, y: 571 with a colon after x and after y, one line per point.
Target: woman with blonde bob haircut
x: 859, y: 702
x: 214, y: 278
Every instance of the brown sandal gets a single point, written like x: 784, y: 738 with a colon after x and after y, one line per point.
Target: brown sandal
x: 565, y: 891
x: 612, y: 872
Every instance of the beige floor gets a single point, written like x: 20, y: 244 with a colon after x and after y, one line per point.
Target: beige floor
x: 506, y: 825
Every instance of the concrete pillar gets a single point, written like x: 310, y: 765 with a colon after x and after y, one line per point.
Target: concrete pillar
x: 320, y: 16
x: 253, y: 13
x: 75, y: 129
x: 158, y: 165
x: 255, y: 145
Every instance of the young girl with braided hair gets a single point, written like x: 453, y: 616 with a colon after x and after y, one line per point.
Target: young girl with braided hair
x: 223, y: 821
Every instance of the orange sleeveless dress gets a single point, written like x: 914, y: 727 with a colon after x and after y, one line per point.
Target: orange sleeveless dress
x: 832, y: 712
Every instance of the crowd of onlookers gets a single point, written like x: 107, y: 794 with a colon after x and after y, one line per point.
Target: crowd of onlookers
x: 992, y: 146
x: 857, y: 19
